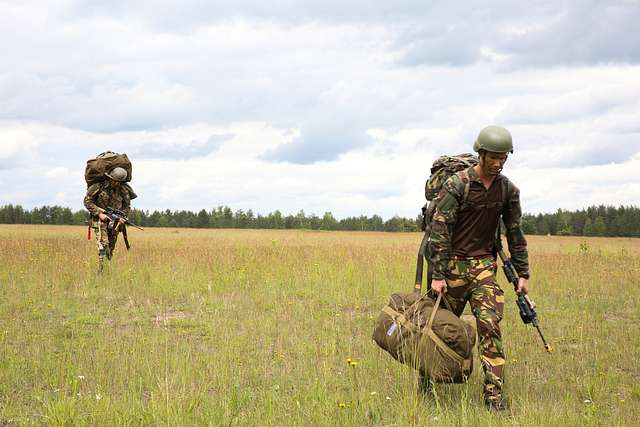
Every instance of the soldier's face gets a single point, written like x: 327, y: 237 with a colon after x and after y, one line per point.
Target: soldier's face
x: 492, y: 163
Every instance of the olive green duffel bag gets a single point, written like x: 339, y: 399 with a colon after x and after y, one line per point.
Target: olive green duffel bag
x: 417, y: 332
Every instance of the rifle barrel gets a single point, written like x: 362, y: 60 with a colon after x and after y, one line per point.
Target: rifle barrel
x: 547, y: 346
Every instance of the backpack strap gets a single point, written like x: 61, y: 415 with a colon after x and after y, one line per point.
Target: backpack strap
x: 507, y: 187
x: 94, y: 189
x: 507, y: 191
x: 464, y: 177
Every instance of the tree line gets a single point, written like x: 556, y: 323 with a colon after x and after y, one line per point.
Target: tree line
x: 220, y: 217
x: 605, y: 221
x: 609, y: 221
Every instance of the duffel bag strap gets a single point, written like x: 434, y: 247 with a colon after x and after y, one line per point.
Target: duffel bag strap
x: 433, y: 312
x: 400, y: 319
x: 407, y: 314
x: 445, y: 348
x: 436, y: 339
x: 448, y: 304
x: 444, y: 300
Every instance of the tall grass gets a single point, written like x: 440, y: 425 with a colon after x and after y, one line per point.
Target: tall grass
x: 233, y: 327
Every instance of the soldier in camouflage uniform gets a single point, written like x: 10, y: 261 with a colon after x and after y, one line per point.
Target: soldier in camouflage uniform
x: 110, y: 193
x: 462, y: 249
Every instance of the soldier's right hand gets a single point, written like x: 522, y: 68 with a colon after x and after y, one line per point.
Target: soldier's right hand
x: 439, y: 286
x: 102, y: 217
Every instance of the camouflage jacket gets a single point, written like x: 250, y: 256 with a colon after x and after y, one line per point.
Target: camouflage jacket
x: 103, y: 195
x: 448, y: 204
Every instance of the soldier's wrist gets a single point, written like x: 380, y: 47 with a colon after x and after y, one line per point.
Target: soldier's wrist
x: 524, y: 275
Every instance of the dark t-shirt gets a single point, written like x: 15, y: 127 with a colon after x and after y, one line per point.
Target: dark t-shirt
x: 474, y: 233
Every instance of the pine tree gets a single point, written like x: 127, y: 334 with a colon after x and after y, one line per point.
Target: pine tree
x: 599, y: 227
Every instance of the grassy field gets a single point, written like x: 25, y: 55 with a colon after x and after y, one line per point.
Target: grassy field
x: 244, y: 327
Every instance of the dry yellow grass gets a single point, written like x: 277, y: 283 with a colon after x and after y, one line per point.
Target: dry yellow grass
x: 254, y: 327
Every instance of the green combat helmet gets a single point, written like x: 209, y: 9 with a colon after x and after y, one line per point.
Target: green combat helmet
x: 117, y: 174
x: 494, y: 138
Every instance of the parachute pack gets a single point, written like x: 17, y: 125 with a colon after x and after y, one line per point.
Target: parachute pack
x: 104, y: 163
x: 439, y: 344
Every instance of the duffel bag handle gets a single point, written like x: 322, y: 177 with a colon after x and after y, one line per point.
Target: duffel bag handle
x: 433, y: 312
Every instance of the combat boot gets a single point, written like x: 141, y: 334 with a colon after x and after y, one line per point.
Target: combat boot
x: 497, y: 406
x: 100, y: 266
x: 425, y: 386
x: 102, y: 254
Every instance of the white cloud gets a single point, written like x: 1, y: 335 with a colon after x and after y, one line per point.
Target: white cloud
x: 16, y: 147
x: 321, y: 106
x: 547, y: 189
x: 58, y: 172
x: 61, y: 199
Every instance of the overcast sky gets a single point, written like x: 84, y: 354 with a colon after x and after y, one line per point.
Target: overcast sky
x: 337, y: 106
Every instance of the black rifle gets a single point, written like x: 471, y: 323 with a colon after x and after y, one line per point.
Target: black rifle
x: 525, y: 305
x: 115, y: 216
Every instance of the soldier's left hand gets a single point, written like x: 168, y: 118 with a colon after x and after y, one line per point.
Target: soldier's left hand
x: 523, y: 286
x: 122, y: 221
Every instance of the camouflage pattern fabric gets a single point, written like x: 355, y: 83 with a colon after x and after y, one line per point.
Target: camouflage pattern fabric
x: 474, y: 281
x: 105, y: 245
x: 103, y: 195
x: 443, y: 168
x: 447, y: 205
x: 512, y: 217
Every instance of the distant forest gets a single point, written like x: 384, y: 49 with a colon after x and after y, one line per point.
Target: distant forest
x: 623, y: 221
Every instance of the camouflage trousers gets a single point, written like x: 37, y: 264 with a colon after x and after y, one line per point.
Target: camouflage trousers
x: 474, y: 280
x: 105, y: 245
